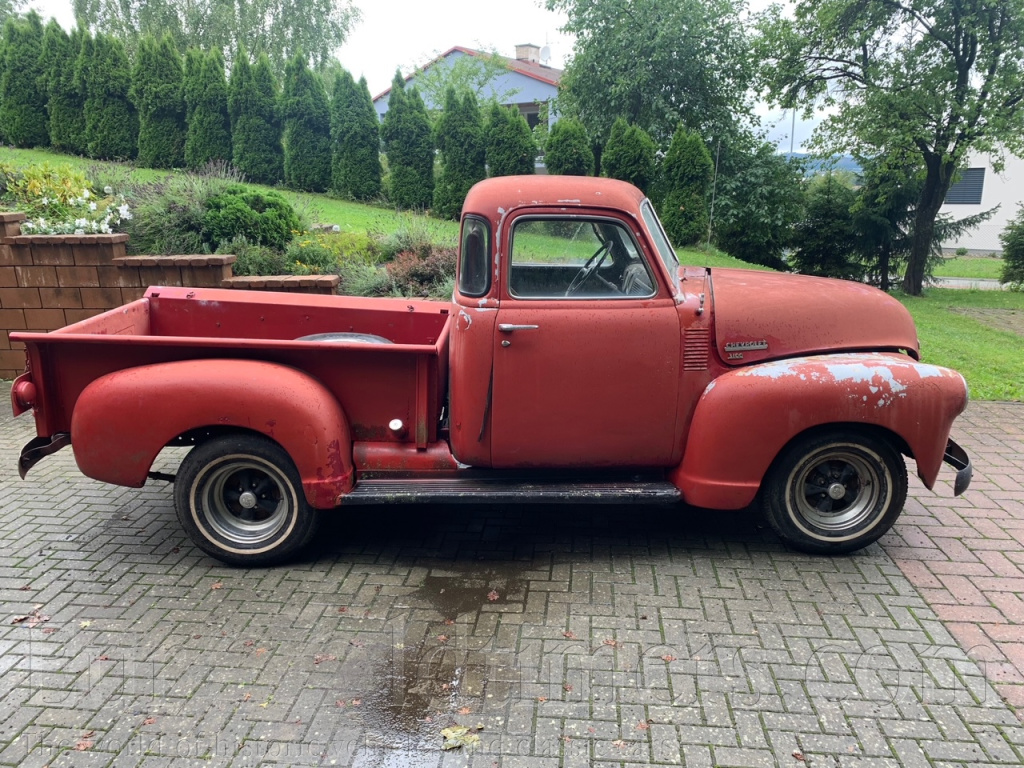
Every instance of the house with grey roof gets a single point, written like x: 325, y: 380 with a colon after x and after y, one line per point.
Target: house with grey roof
x: 528, y: 79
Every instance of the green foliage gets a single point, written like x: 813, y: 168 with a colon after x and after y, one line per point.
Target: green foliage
x: 758, y: 200
x: 476, y: 74
x: 23, y: 83
x: 355, y: 137
x: 157, y: 83
x: 568, y: 151
x: 460, y: 137
x: 307, y: 255
x: 307, y: 129
x: 60, y: 200
x: 252, y: 259
x: 256, y: 125
x: 629, y: 155
x: 66, y: 104
x: 209, y: 129
x: 510, y: 147
x: 280, y: 28
x: 192, y: 85
x: 686, y: 184
x: 430, y: 276
x: 1012, y: 239
x: 932, y: 78
x: 825, y: 241
x: 263, y: 218
x: 111, y: 122
x: 409, y: 147
x: 655, y: 63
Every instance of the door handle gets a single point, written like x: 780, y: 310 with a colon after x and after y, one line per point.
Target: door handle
x: 508, y: 327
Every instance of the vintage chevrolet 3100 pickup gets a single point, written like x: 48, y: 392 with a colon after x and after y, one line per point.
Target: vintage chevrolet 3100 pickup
x: 577, y: 361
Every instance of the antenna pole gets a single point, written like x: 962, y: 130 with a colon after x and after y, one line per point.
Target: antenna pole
x: 714, y: 188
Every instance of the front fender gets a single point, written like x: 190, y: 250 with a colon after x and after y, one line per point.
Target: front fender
x: 122, y: 420
x: 745, y: 417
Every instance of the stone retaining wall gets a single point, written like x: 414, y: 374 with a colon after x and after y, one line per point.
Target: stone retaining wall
x: 49, y: 281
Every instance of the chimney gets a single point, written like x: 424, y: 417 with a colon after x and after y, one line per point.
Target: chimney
x: 528, y: 52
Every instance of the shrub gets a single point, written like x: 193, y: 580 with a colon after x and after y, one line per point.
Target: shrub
x: 306, y: 255
x: 687, y: 174
x: 414, y: 234
x: 59, y: 200
x: 568, y: 150
x: 22, y: 102
x: 209, y: 128
x: 158, y: 95
x: 629, y: 155
x: 263, y: 218
x: 415, y: 275
x: 1012, y: 239
x: 511, y: 150
x: 409, y: 148
x: 460, y: 137
x: 307, y: 129
x: 256, y: 124
x: 252, y: 259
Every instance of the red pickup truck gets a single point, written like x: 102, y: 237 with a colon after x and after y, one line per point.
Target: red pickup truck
x: 576, y: 362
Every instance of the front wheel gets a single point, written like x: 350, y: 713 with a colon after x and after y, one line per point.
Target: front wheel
x: 240, y: 500
x: 834, y: 493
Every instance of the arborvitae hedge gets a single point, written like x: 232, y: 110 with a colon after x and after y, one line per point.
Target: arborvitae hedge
x: 23, y: 119
x: 56, y: 53
x: 568, y: 150
x: 157, y: 90
x: 409, y: 148
x: 460, y: 137
x: 192, y: 85
x: 686, y: 181
x: 66, y: 103
x: 364, y: 146
x: 307, y: 129
x: 629, y: 155
x: 111, y: 122
x: 510, y: 147
x: 342, y: 116
x: 209, y: 130
x: 255, y: 122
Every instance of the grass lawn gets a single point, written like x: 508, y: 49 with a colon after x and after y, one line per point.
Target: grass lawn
x: 989, y: 267
x: 952, y: 335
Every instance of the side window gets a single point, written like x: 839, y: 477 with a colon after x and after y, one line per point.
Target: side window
x: 554, y: 258
x: 475, y: 257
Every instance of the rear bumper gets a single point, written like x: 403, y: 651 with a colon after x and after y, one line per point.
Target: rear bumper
x: 38, y: 448
x: 957, y: 458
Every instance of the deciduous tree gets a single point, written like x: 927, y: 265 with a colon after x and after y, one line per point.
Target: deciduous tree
x: 933, y: 77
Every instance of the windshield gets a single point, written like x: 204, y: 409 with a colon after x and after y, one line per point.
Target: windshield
x: 658, y: 235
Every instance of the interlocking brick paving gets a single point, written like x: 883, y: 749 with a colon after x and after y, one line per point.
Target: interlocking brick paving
x: 573, y: 636
x: 966, y: 555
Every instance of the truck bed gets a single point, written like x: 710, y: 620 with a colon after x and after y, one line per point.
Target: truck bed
x: 374, y: 383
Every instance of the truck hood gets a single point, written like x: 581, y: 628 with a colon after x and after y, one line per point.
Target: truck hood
x: 766, y: 315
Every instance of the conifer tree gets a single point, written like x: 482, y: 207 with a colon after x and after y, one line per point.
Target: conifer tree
x: 255, y: 123
x: 460, y: 137
x: 568, y: 151
x: 307, y: 129
x: 342, y: 118
x: 111, y: 122
x: 511, y: 150
x: 687, y: 174
x: 23, y: 118
x: 209, y: 131
x: 409, y: 147
x: 192, y: 80
x: 65, y: 104
x: 629, y: 155
x: 157, y: 90
x: 355, y: 139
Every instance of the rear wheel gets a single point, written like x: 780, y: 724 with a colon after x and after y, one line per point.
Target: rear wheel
x: 241, y: 501
x: 836, y: 492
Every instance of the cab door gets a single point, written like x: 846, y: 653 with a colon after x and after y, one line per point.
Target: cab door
x: 586, y: 348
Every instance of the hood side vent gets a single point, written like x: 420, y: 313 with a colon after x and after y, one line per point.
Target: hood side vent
x: 695, y: 349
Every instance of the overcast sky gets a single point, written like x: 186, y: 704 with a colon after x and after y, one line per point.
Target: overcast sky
x: 409, y: 33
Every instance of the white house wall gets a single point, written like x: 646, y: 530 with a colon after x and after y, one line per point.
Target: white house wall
x: 1005, y: 189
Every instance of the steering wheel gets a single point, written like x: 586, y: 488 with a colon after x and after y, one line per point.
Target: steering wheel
x: 589, y: 269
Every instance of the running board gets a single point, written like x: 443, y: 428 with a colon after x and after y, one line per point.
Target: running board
x: 480, y: 490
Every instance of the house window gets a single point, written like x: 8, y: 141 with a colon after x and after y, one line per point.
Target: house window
x: 966, y: 190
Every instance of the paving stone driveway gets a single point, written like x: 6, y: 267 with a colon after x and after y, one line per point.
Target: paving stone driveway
x: 572, y: 637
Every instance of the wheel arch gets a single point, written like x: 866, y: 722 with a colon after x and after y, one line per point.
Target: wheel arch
x: 122, y: 420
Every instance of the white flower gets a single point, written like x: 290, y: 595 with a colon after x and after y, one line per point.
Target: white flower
x: 336, y: 228
x: 45, y: 201
x: 85, y: 194
x: 123, y: 212
x: 92, y: 206
x: 79, y: 231
x: 108, y: 190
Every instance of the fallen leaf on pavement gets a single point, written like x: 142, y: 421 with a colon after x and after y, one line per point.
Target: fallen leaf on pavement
x: 570, y: 634
x: 464, y: 711
x: 458, y: 736
x: 668, y: 657
x: 493, y: 595
x: 217, y: 585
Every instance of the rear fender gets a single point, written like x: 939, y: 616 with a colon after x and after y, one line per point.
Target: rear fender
x: 122, y: 420
x: 745, y: 417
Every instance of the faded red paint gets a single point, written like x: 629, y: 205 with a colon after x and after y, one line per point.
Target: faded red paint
x: 704, y: 382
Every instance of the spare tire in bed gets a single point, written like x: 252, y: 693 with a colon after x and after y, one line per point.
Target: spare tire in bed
x: 353, y: 338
